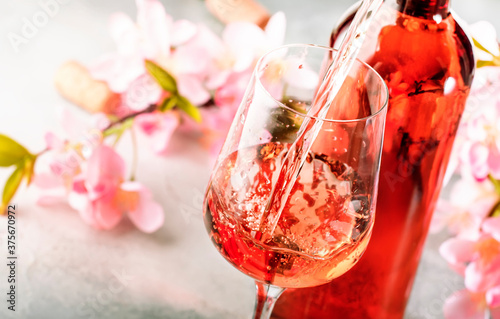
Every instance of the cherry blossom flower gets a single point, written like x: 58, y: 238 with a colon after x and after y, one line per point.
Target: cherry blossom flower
x: 479, y: 261
x: 474, y: 252
x: 158, y: 128
x: 208, y: 69
x: 464, y: 304
x: 102, y: 196
x: 480, y: 152
x: 157, y: 37
x: 241, y: 45
x: 56, y: 169
x: 469, y: 204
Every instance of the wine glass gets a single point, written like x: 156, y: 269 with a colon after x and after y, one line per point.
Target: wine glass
x: 317, y: 230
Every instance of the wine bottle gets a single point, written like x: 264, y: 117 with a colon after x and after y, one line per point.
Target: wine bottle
x: 427, y: 62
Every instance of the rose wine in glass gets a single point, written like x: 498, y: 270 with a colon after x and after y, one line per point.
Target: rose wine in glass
x: 426, y: 60
x: 321, y: 233
x: 323, y: 224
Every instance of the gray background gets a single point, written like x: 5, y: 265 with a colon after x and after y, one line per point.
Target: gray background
x: 69, y: 270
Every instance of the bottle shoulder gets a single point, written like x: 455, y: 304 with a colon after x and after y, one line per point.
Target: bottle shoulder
x: 423, y: 48
x: 466, y: 52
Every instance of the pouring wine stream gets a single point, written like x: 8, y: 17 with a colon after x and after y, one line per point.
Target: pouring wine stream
x: 330, y: 86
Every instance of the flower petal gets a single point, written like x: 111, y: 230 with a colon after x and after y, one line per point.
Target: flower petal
x: 480, y: 277
x: 141, y: 93
x: 105, y: 171
x: 156, y: 27
x: 47, y: 181
x: 49, y: 200
x: 53, y: 142
x: 119, y: 71
x: 494, y: 160
x: 106, y: 214
x: 159, y: 128
x: 193, y: 89
x: 492, y: 226
x: 462, y: 305
x: 72, y: 125
x: 124, y: 32
x: 191, y: 59
x: 495, y: 313
x: 479, y: 160
x: 493, y: 297
x: 275, y: 29
x: 148, y: 215
x: 183, y: 31
x: 244, y: 39
x: 457, y: 251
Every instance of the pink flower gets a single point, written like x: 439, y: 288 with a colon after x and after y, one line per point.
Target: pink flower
x: 56, y: 169
x: 158, y: 128
x: 464, y: 304
x: 231, y: 94
x: 102, y: 197
x: 469, y: 204
x: 479, y: 261
x: 141, y: 92
x: 173, y: 45
x: 242, y: 45
x: 493, y: 297
x: 475, y: 252
x: 480, y: 152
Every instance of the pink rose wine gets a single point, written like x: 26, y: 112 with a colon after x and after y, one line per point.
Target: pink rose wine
x: 321, y: 233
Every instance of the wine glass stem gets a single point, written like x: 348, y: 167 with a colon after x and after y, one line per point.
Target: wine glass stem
x: 266, y: 298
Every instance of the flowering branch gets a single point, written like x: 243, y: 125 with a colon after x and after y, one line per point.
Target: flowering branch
x: 107, y: 131
x: 164, y: 74
x: 472, y: 214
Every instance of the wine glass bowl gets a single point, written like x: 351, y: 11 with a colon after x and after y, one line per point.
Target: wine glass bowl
x: 319, y: 228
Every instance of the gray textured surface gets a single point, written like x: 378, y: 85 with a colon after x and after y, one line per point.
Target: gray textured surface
x: 68, y: 270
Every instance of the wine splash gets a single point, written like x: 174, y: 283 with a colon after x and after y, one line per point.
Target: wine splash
x: 324, y: 228
x: 326, y: 93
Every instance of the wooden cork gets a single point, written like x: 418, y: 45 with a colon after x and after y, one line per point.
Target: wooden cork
x: 74, y: 82
x: 229, y: 11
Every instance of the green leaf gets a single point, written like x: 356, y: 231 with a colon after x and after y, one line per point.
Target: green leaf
x: 480, y: 46
x: 188, y: 108
x: 11, y: 152
x: 495, y: 212
x: 168, y: 103
x: 481, y: 63
x: 164, y: 79
x: 11, y: 186
x: 29, y: 167
x: 495, y: 183
x: 118, y: 128
x: 284, y: 123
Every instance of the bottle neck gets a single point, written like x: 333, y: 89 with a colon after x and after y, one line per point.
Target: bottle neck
x: 426, y: 9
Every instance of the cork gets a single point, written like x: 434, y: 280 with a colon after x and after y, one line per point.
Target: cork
x: 74, y: 83
x: 229, y: 11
